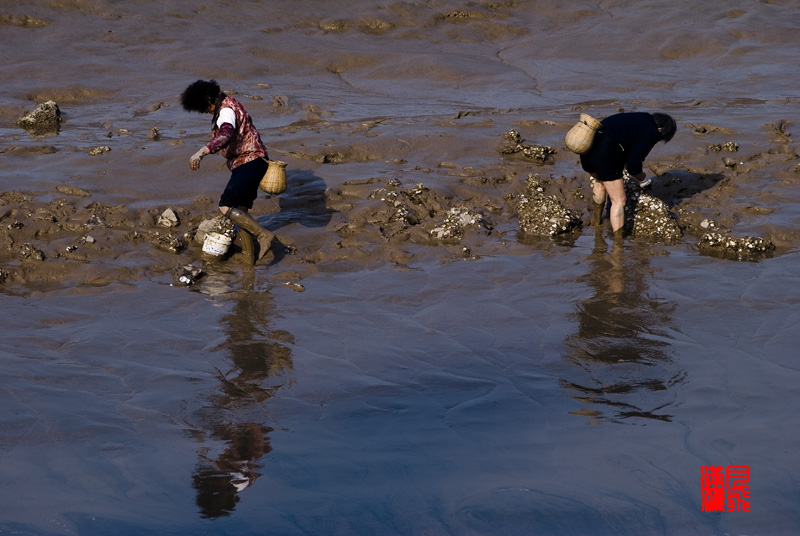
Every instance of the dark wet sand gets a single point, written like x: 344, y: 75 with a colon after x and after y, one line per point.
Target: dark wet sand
x: 374, y: 379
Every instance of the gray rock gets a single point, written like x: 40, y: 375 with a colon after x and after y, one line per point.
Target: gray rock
x: 168, y: 218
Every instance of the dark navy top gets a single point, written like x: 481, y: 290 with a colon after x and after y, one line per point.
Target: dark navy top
x: 636, y: 132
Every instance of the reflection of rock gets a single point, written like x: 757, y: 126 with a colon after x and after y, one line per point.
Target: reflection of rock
x: 543, y: 215
x: 513, y: 143
x: 44, y: 119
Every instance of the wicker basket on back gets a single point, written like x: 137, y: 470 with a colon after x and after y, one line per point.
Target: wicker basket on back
x: 580, y: 137
x: 274, y: 180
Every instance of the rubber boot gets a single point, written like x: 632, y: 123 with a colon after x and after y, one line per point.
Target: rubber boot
x: 597, y: 214
x: 247, y: 223
x: 248, y: 246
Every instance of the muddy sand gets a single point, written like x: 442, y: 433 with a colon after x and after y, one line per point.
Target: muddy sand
x: 464, y: 352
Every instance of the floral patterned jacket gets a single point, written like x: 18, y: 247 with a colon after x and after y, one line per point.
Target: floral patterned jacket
x: 240, y: 143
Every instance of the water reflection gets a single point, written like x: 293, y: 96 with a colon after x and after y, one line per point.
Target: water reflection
x: 260, y: 359
x: 621, y: 348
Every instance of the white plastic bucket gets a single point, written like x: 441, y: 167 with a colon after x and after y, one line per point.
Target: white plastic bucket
x: 216, y: 244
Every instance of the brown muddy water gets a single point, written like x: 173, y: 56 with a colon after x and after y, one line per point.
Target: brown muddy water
x: 380, y: 377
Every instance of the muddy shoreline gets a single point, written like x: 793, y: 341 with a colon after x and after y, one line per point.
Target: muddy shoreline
x: 67, y: 238
x: 443, y: 342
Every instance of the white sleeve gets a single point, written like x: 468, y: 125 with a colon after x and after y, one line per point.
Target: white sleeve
x: 226, y: 115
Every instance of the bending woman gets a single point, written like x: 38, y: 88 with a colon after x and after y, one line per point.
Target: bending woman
x: 235, y: 137
x: 624, y: 141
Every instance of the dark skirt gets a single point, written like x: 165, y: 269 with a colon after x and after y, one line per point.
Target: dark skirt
x: 242, y: 188
x: 605, y: 160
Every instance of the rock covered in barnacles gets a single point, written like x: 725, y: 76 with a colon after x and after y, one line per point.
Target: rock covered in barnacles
x: 165, y: 241
x: 28, y: 252
x: 407, y: 206
x: 646, y: 215
x: 729, y: 147
x: 652, y: 218
x: 102, y: 149
x: 513, y: 143
x: 45, y: 118
x: 543, y: 215
x: 735, y: 246
x: 456, y: 221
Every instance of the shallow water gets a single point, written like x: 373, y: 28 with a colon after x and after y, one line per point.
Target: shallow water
x: 571, y: 386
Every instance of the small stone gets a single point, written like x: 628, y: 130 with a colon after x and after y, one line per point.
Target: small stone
x: 297, y: 287
x: 72, y: 190
x: 168, y: 218
x: 188, y: 274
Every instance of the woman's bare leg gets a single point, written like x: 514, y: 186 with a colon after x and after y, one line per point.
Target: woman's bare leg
x: 616, y: 191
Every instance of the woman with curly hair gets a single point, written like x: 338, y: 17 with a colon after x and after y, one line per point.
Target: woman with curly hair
x: 235, y: 137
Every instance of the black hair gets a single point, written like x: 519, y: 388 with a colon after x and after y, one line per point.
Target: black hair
x: 667, y: 125
x: 200, y: 95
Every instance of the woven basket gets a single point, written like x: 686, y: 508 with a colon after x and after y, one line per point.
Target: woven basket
x: 580, y: 137
x: 274, y: 181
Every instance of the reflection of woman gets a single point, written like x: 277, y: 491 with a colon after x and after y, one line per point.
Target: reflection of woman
x: 621, y: 346
x: 624, y: 141
x: 219, y: 481
x: 257, y: 355
x: 240, y: 143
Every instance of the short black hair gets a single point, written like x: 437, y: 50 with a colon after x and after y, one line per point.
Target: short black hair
x: 200, y: 95
x: 667, y: 125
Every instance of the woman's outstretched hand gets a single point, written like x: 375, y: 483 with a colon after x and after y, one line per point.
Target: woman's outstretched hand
x: 194, y: 161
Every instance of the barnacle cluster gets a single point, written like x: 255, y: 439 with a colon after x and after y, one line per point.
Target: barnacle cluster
x: 745, y: 244
x: 223, y: 226
x: 543, y: 215
x: 653, y: 218
x: 99, y: 150
x: 28, y: 252
x: 729, y: 147
x: 513, y: 143
x: 165, y: 241
x: 456, y: 221
x: 409, y: 205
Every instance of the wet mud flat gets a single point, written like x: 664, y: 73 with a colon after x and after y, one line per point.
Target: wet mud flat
x: 443, y: 342
x: 714, y: 200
